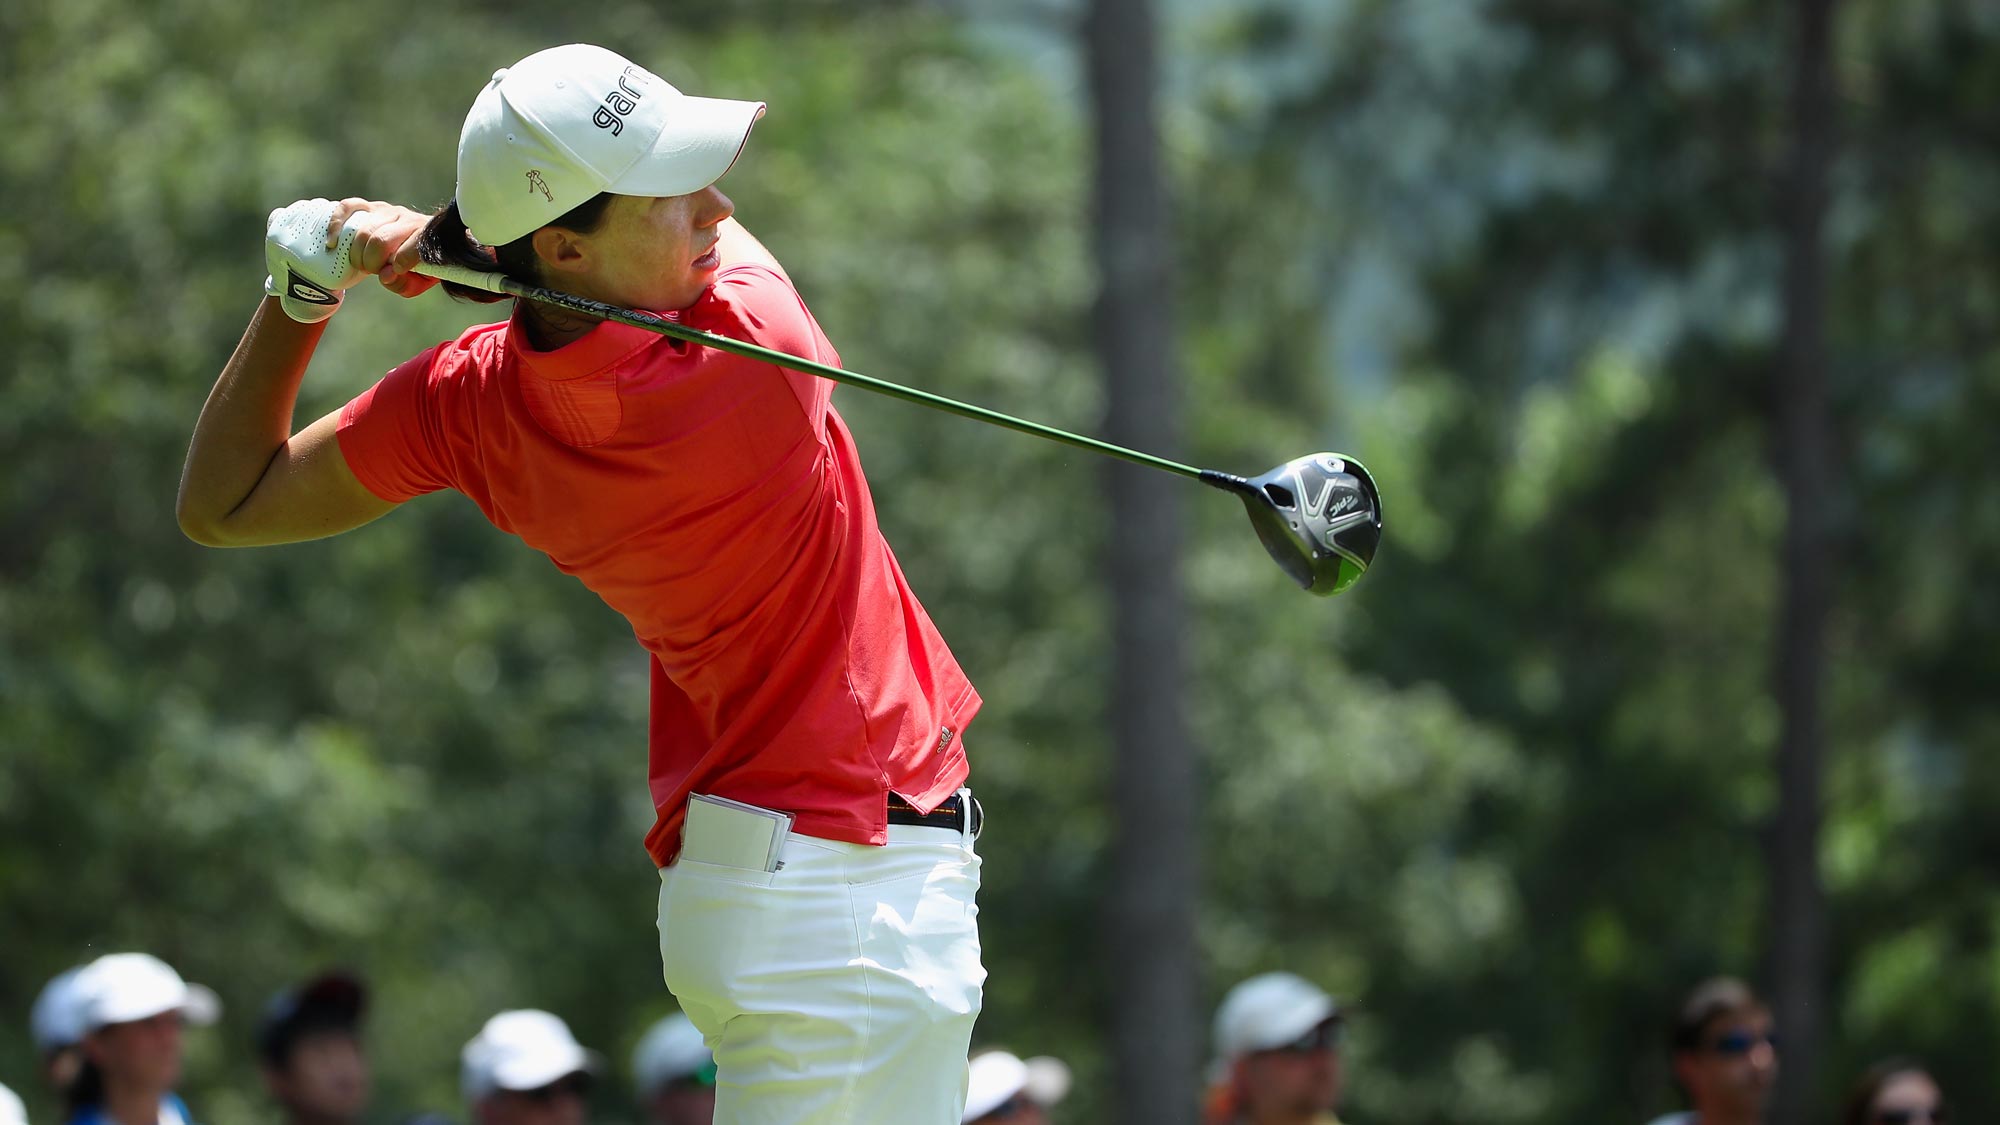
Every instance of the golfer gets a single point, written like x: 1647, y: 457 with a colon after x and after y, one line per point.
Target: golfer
x: 816, y: 909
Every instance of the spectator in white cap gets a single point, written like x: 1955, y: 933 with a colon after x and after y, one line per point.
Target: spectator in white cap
x: 674, y: 1074
x: 57, y: 1026
x: 133, y: 1007
x: 1004, y: 1089
x: 12, y: 1112
x: 525, y: 1068
x: 1277, y: 1059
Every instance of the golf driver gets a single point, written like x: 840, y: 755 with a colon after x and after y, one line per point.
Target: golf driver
x: 1319, y: 516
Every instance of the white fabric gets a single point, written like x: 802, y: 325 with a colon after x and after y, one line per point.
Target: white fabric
x: 122, y: 987
x: 1673, y: 1119
x: 671, y: 1049
x: 524, y: 1049
x: 12, y: 1112
x: 57, y: 1019
x: 839, y: 989
x: 1268, y: 1011
x: 995, y: 1076
x: 564, y: 124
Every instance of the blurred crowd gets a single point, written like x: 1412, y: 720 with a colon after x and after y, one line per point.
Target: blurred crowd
x: 109, y: 1037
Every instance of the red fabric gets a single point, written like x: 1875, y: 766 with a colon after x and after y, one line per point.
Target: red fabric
x: 718, y: 503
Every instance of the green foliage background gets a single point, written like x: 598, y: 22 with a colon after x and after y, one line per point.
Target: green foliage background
x: 1505, y: 798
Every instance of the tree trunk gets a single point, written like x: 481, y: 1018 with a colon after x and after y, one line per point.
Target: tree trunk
x: 1149, y: 950
x: 1803, y: 442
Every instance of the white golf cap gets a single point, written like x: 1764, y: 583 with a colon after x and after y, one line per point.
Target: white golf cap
x: 672, y: 1050
x: 564, y: 124
x: 12, y: 1112
x: 1269, y: 1011
x: 996, y: 1076
x: 122, y: 987
x: 57, y: 1019
x: 521, y: 1050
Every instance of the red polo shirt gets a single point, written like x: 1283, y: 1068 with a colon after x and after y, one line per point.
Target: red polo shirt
x: 717, y: 502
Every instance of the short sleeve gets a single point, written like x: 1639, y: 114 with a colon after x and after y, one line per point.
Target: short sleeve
x: 751, y: 301
x: 391, y: 434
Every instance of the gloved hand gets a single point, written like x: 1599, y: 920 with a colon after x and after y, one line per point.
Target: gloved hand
x: 308, y: 279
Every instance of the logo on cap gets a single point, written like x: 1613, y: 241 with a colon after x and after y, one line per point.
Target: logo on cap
x: 536, y: 183
x: 620, y: 102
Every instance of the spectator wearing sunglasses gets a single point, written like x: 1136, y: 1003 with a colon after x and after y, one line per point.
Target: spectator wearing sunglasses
x: 1895, y: 1092
x: 1725, y: 1055
x: 675, y: 1074
x: 1277, y: 1046
x: 1005, y: 1089
x: 525, y: 1068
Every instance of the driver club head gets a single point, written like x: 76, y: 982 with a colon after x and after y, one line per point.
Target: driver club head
x: 1318, y: 516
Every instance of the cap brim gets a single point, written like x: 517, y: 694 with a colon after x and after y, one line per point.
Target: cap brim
x: 1048, y: 1080
x: 202, y: 1007
x: 535, y: 1073
x: 700, y: 142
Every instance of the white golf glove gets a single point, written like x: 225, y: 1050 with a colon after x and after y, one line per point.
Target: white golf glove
x: 308, y: 279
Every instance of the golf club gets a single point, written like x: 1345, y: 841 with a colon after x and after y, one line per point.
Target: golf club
x: 1318, y: 516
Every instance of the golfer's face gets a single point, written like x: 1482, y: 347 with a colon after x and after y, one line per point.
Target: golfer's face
x: 656, y: 253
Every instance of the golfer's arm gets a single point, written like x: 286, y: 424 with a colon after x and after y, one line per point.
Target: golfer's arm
x: 249, y: 481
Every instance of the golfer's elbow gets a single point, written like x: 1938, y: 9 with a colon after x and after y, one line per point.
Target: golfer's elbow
x: 198, y: 526
x: 202, y: 521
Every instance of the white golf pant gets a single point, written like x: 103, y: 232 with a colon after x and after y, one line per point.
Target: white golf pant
x: 840, y: 989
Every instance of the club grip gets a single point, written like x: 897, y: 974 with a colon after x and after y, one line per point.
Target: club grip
x: 476, y: 279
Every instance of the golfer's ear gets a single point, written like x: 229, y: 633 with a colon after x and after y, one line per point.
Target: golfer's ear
x: 561, y: 249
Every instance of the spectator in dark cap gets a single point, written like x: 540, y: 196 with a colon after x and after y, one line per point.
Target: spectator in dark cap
x: 1725, y: 1055
x: 309, y: 1045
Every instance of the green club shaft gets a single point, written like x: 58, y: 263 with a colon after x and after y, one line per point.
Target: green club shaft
x: 498, y: 283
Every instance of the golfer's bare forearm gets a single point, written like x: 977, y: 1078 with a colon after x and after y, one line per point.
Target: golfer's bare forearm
x: 246, y: 421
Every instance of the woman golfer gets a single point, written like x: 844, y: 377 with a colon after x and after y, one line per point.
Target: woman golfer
x: 814, y: 837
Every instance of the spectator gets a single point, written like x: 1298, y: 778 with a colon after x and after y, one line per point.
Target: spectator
x: 1002, y: 1089
x: 525, y: 1068
x: 309, y: 1047
x: 1725, y: 1055
x: 675, y: 1074
x: 57, y: 1026
x: 133, y: 1009
x: 1896, y: 1092
x: 12, y: 1112
x: 1277, y: 1044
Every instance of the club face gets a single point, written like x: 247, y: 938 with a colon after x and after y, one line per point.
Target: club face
x: 1319, y: 517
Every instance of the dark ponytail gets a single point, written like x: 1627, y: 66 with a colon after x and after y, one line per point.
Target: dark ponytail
x: 86, y: 1090
x: 447, y: 242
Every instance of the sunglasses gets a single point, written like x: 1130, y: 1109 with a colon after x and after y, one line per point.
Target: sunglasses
x: 1934, y: 1114
x: 574, y: 1086
x: 1324, y: 1036
x: 1742, y: 1043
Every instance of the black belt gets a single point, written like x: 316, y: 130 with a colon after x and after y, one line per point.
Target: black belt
x: 950, y: 813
